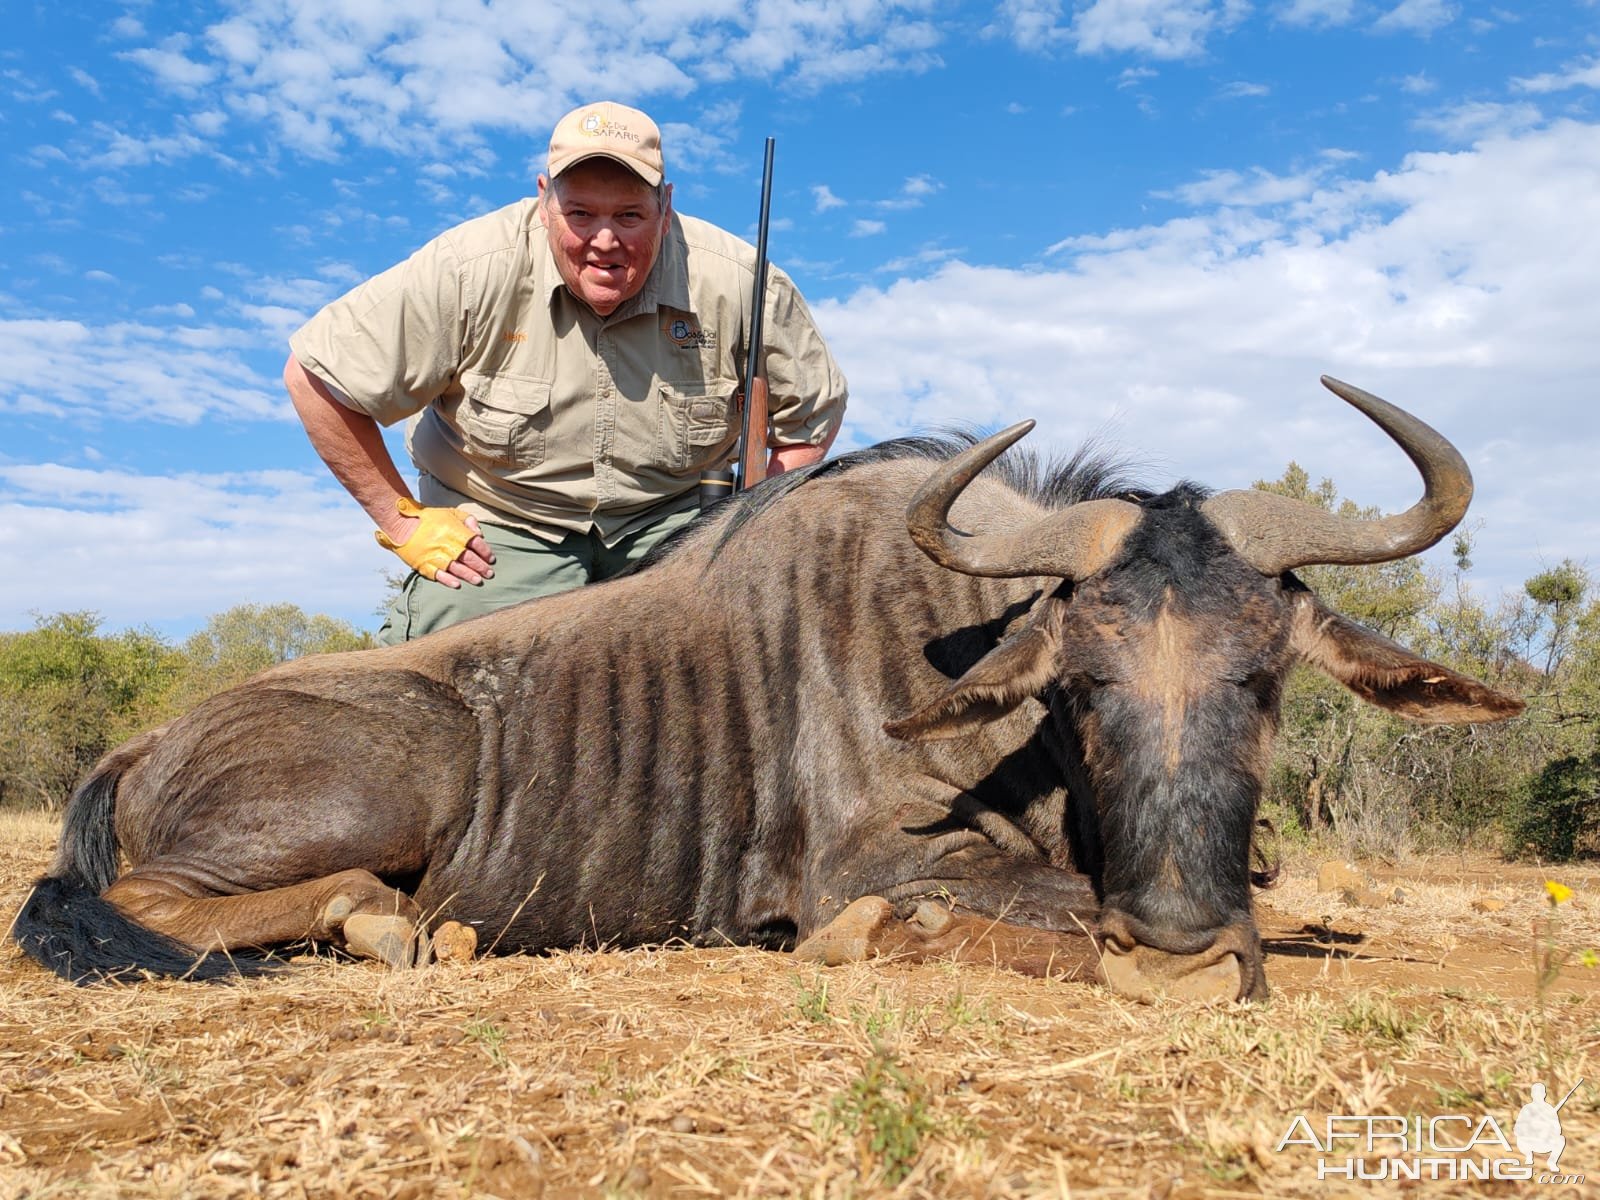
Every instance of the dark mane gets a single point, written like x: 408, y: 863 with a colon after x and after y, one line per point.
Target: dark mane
x: 1089, y: 473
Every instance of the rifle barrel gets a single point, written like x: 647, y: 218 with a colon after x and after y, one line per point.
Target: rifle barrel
x: 753, y: 441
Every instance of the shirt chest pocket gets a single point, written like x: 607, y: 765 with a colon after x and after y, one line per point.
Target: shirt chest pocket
x: 698, y: 422
x: 504, y: 419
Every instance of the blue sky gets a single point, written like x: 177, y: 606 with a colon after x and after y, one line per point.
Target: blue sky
x: 1157, y: 221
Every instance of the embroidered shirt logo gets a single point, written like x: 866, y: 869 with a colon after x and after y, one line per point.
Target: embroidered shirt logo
x: 515, y: 335
x: 685, y: 332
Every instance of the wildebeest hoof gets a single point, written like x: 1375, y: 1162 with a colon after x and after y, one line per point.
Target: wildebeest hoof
x: 335, y: 912
x: 388, y: 937
x: 849, y: 936
x: 931, y: 917
x: 454, y: 942
x: 1147, y: 974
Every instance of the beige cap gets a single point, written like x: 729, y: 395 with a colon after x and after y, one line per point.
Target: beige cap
x: 607, y: 129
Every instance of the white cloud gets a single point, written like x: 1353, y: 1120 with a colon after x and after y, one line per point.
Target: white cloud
x: 1317, y: 12
x: 1417, y: 16
x: 1470, y: 121
x: 128, y: 371
x: 1577, y: 74
x: 823, y: 198
x: 176, y: 549
x: 1433, y: 283
x: 927, y: 256
x: 85, y: 80
x: 1159, y: 28
x: 867, y: 228
x: 1166, y: 29
x: 1419, y: 84
x: 393, y: 75
x: 1231, y: 188
x: 171, y: 66
x: 1240, y: 89
x: 913, y: 192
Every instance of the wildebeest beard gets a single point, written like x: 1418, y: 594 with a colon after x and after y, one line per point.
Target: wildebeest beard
x: 712, y: 747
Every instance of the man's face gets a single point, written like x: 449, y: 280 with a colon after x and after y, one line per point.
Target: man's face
x: 605, y: 229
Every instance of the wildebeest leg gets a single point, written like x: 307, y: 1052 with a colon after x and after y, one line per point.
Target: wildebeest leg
x: 967, y: 900
x: 972, y: 902
x: 354, y: 908
x: 872, y: 926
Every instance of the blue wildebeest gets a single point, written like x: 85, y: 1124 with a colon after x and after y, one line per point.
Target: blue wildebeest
x: 711, y: 748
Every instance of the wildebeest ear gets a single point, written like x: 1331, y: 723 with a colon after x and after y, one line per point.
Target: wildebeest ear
x: 1019, y: 667
x: 1384, y: 673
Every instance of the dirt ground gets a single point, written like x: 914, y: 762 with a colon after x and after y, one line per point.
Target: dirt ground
x: 738, y: 1072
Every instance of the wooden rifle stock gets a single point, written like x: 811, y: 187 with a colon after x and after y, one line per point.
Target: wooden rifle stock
x: 752, y: 453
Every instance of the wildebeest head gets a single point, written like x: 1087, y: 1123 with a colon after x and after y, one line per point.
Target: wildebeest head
x: 1163, y: 652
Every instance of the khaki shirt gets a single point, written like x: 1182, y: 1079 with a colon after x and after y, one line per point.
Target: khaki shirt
x: 529, y: 409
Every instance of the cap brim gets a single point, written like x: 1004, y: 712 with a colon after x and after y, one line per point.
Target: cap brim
x: 653, y: 178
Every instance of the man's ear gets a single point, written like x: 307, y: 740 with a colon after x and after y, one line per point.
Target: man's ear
x: 1388, y: 675
x: 1021, y: 666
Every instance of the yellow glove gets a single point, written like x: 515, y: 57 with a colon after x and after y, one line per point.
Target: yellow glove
x: 434, y: 544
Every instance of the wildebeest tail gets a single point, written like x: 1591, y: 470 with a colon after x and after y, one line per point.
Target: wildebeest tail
x: 66, y: 926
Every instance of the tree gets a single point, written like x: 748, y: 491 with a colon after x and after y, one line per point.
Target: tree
x: 248, y: 638
x: 67, y: 694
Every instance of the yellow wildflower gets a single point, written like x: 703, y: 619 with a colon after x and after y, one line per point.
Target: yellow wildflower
x: 1560, y: 893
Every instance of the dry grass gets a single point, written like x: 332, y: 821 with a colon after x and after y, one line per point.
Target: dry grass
x: 735, y: 1072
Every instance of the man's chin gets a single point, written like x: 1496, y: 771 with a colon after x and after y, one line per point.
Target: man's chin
x: 604, y: 300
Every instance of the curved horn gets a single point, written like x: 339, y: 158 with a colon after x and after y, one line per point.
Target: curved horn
x: 1070, y: 544
x: 1276, y: 534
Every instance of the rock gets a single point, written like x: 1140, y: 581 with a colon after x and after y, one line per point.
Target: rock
x: 1488, y: 904
x: 1339, y: 876
x: 683, y: 1123
x: 1365, y: 897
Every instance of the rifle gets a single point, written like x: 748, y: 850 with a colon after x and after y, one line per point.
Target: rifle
x: 752, y: 450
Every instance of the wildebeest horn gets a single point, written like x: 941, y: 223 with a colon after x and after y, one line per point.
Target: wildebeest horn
x: 1276, y: 534
x: 1070, y: 544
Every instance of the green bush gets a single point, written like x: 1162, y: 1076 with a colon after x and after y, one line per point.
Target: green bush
x: 1557, y: 814
x: 69, y: 693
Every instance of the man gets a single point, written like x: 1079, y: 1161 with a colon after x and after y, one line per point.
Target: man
x: 570, y: 364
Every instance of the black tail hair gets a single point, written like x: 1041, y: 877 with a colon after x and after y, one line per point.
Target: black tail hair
x: 65, y: 926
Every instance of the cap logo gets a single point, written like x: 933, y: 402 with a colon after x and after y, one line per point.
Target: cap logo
x: 594, y: 125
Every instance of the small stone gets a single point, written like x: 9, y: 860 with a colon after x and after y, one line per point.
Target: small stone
x: 1488, y: 905
x: 636, y: 1178
x: 683, y: 1123
x: 455, y: 942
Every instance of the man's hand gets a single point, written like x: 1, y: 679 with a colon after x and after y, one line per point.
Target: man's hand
x: 441, y: 544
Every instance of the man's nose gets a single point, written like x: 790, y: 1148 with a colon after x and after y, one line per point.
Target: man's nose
x: 605, y: 237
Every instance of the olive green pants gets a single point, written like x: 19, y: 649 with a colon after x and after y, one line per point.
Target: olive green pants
x: 524, y: 567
